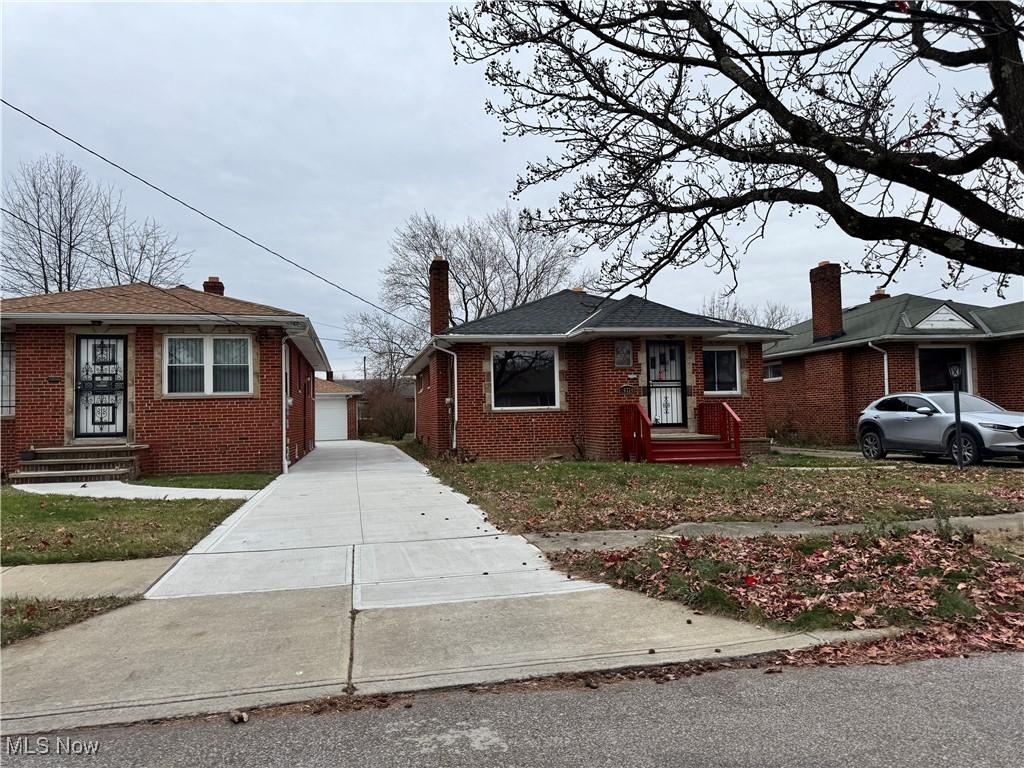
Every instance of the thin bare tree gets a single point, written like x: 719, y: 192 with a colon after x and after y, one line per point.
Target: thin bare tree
x: 63, y: 233
x: 47, y: 240
x: 771, y: 314
x: 129, y: 251
x: 681, y: 126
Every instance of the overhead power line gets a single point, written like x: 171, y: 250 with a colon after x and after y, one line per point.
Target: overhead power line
x: 202, y: 213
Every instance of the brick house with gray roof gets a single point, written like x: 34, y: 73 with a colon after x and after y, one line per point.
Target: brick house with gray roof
x: 575, y: 374
x: 103, y: 383
x: 819, y: 378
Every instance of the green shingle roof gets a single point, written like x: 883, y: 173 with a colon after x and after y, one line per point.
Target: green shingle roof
x: 898, y: 316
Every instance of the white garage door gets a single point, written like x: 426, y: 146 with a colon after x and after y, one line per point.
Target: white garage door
x: 331, y: 418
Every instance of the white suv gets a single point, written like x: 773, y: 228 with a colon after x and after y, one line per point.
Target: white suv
x: 924, y: 423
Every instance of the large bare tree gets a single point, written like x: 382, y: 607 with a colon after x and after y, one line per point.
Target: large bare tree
x: 494, y: 264
x: 682, y: 126
x: 63, y: 232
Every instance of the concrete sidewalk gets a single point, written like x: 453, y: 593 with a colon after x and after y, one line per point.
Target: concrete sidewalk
x: 613, y: 539
x: 68, y: 581
x: 197, y: 655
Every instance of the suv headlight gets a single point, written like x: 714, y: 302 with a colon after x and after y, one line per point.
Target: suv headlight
x: 993, y: 425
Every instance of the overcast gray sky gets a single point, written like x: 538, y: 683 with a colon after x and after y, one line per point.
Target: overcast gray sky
x: 316, y: 129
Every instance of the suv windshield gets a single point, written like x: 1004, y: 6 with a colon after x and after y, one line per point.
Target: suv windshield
x: 967, y: 403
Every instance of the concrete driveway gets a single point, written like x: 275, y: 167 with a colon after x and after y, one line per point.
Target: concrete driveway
x: 366, y: 515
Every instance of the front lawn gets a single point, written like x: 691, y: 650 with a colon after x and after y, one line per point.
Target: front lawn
x: 71, y: 529
x: 956, y: 595
x: 592, y: 495
x: 21, y: 618
x: 245, y: 481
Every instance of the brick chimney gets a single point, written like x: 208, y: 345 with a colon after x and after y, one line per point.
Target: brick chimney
x: 440, y: 308
x: 213, y: 285
x: 879, y: 294
x: 826, y: 301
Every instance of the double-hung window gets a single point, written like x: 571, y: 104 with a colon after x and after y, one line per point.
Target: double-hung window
x: 208, y: 365
x: 524, y: 378
x: 721, y: 371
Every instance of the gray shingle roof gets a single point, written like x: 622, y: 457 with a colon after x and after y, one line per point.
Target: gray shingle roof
x: 566, y: 310
x: 898, y: 316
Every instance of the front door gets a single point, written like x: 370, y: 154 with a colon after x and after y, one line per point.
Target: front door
x: 666, y: 400
x: 101, y: 364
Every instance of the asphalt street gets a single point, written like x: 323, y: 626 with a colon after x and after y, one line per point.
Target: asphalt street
x: 951, y: 712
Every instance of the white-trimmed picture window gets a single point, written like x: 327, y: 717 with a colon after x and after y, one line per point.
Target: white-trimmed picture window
x: 721, y: 371
x: 207, y: 365
x: 7, y: 377
x: 525, y: 379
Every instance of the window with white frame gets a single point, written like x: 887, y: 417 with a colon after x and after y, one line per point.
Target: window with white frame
x: 524, y: 378
x: 772, y: 371
x: 207, y: 365
x: 721, y: 371
x: 7, y: 377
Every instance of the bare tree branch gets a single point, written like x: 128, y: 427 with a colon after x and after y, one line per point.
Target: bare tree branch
x: 678, y: 121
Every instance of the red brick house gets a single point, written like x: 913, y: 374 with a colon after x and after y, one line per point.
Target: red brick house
x: 819, y: 379
x: 579, y: 375
x: 106, y: 382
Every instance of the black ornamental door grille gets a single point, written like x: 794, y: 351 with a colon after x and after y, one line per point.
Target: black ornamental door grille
x: 666, y: 398
x: 101, y: 363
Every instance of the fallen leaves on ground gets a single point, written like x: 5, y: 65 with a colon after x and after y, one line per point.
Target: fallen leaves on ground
x: 955, y: 595
x: 585, y: 496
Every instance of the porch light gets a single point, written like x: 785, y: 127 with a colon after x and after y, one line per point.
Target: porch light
x: 955, y: 371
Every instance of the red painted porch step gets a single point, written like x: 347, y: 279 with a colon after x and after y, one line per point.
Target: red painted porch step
x: 708, y: 451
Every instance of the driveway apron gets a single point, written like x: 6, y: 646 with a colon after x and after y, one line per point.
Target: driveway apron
x: 363, y: 515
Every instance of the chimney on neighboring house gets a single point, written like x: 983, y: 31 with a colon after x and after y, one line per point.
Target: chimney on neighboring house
x: 826, y: 301
x: 879, y: 294
x: 440, y: 308
x: 213, y: 285
x: 330, y: 375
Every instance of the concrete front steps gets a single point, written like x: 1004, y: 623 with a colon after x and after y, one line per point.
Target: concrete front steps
x: 673, y: 447
x: 80, y: 463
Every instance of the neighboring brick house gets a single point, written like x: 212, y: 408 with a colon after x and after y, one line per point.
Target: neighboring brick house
x: 105, y: 382
x: 552, y: 377
x: 819, y: 380
x: 336, y: 417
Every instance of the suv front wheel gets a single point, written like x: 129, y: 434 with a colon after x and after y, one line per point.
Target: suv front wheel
x: 872, y: 445
x: 969, y: 446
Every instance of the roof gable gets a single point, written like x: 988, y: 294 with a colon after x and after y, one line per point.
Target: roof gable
x: 944, y: 318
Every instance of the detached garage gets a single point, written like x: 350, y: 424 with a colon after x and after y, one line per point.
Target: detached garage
x: 335, y: 411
